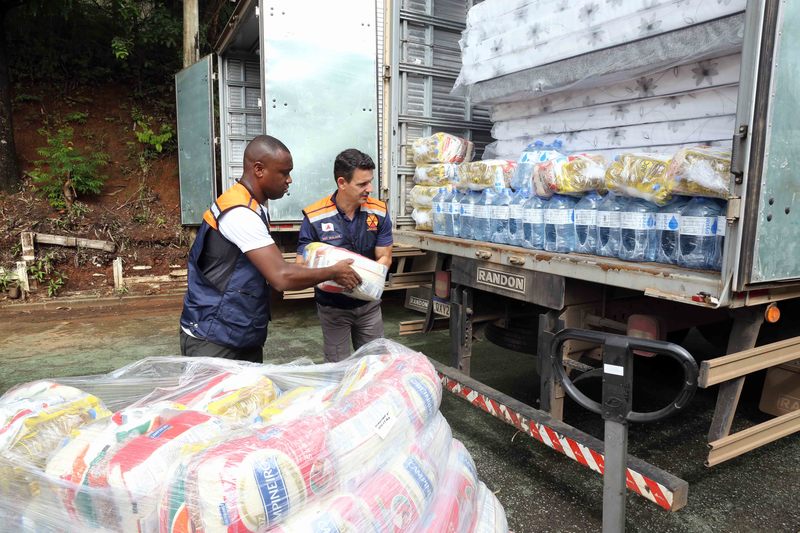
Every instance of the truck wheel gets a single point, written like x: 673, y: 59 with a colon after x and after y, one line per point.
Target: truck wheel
x: 513, y: 337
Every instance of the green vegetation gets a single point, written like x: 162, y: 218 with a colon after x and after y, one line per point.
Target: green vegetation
x: 65, y: 171
x: 55, y: 283
x: 42, y: 271
x: 78, y: 117
x: 154, y: 142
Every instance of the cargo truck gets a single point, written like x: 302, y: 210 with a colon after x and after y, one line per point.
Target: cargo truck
x: 324, y: 76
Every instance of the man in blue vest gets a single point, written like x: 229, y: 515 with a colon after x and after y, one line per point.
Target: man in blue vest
x: 349, y: 218
x: 234, y: 262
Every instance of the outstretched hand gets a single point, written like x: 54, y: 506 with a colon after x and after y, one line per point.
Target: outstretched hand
x: 344, y: 275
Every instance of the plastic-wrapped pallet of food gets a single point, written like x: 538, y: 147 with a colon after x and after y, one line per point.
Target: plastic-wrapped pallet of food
x: 422, y: 196
x: 355, y: 446
x: 436, y: 175
x: 372, y: 273
x: 479, y: 175
x: 573, y: 174
x: 700, y: 171
x: 442, y: 148
x: 423, y: 219
x: 37, y: 416
x: 640, y: 175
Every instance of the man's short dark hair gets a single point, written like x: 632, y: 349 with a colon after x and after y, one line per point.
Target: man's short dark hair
x: 348, y: 161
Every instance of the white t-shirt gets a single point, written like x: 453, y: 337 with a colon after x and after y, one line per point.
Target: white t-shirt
x: 245, y: 228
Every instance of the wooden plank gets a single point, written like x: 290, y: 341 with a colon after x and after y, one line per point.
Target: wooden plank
x: 753, y: 437
x: 28, y: 251
x: 61, y: 240
x: 410, y: 277
x: 117, y: 269
x: 728, y: 367
x: 412, y: 327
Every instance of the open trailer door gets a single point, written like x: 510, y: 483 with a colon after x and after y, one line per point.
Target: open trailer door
x: 769, y: 105
x: 195, y: 113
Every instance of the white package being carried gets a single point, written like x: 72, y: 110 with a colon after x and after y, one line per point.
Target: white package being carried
x: 442, y: 148
x: 372, y: 273
x: 358, y: 445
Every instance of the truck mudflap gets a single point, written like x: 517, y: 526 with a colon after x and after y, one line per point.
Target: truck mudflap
x: 660, y: 487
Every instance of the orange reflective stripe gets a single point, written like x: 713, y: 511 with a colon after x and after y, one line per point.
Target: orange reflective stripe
x: 319, y: 205
x: 236, y: 196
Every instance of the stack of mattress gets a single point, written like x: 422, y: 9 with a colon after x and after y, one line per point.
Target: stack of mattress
x: 605, y: 77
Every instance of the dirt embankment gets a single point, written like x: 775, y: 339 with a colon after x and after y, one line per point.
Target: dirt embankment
x: 138, y: 209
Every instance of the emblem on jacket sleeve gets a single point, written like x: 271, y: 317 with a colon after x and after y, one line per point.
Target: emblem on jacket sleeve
x: 327, y: 226
x: 372, y: 222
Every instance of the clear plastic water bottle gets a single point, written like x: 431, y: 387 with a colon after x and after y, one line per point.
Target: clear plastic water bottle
x: 500, y: 214
x: 608, y: 219
x: 559, y: 224
x: 722, y: 225
x: 516, y: 217
x: 468, y: 201
x: 453, y: 218
x: 439, y: 214
x: 525, y: 163
x: 668, y: 223
x: 483, y: 215
x: 637, y: 225
x: 533, y: 222
x: 698, y: 233
x: 586, y: 223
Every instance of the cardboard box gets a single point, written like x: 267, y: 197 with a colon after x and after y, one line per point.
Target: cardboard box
x: 781, y: 393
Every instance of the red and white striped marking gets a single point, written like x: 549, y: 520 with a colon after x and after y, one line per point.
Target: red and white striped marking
x: 644, y: 486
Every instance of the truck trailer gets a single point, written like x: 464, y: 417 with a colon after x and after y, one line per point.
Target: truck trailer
x: 379, y: 74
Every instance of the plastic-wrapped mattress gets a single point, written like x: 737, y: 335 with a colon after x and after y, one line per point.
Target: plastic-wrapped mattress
x: 505, y: 37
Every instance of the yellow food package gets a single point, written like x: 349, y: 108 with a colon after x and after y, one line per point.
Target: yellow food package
x: 640, y: 175
x: 436, y: 174
x: 442, y: 148
x: 700, y: 171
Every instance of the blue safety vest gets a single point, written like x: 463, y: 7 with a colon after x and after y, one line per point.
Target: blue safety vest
x: 227, y: 301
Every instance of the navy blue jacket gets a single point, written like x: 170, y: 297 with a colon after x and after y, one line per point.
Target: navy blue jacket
x: 227, y: 300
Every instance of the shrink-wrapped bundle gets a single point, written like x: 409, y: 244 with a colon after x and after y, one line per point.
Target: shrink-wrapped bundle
x: 372, y: 273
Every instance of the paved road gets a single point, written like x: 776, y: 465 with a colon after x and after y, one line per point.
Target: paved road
x: 541, y: 490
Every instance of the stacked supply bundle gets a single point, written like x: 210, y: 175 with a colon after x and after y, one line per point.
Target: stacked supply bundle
x: 437, y: 159
x: 644, y: 100
x: 622, y: 77
x: 352, y: 446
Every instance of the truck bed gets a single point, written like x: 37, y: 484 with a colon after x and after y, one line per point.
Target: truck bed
x: 698, y: 287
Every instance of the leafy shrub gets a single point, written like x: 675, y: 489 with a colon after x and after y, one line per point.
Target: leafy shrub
x: 55, y: 283
x: 145, y: 133
x: 65, y: 171
x: 76, y: 116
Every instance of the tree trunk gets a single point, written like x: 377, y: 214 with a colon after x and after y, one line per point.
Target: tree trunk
x: 191, y: 24
x: 9, y: 169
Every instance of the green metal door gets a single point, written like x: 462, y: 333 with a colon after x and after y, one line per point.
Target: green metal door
x: 195, y: 110
x: 770, y: 246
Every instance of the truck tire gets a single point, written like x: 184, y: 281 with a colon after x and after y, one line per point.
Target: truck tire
x: 513, y: 337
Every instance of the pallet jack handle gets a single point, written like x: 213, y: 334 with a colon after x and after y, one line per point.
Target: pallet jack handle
x: 616, y: 407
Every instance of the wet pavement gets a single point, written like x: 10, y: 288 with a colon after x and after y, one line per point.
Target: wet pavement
x: 540, y: 489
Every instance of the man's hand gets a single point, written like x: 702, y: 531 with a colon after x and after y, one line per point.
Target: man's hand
x: 344, y: 275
